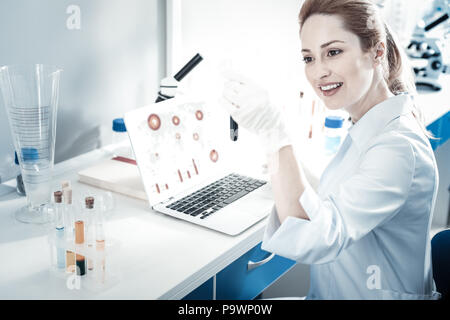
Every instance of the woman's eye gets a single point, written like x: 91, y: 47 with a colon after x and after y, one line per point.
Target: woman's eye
x: 334, y: 52
x: 307, y: 59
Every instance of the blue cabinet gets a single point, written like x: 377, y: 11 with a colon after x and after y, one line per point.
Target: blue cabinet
x: 245, y: 279
x: 440, y: 129
x: 204, y: 292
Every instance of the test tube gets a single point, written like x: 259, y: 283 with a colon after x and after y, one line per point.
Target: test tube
x: 100, y: 249
x: 69, y: 228
x: 89, y: 201
x: 79, y: 240
x: 310, y: 134
x: 59, y: 231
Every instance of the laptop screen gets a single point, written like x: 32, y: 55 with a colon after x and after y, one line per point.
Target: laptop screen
x: 177, y: 143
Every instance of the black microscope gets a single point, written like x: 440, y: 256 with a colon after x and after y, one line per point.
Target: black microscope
x: 429, y: 54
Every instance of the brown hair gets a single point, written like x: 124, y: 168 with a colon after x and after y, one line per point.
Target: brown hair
x: 362, y: 18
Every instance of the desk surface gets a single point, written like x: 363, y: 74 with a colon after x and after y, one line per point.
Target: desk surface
x: 159, y: 258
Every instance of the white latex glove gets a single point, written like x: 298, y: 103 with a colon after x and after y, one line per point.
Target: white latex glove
x: 249, y: 105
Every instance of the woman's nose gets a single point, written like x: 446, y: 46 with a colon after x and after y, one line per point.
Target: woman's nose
x: 322, y: 71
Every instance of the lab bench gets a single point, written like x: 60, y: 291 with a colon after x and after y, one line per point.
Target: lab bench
x: 159, y: 257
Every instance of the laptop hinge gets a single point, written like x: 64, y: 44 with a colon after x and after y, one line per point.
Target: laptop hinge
x: 166, y: 201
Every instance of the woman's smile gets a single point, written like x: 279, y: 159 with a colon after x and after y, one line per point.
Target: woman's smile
x: 330, y: 89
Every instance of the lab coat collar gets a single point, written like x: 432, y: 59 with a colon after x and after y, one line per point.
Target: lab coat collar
x: 378, y: 117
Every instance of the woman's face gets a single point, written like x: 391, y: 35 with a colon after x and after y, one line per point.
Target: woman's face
x: 336, y: 67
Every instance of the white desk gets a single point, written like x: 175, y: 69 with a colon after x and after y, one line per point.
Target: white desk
x: 160, y: 257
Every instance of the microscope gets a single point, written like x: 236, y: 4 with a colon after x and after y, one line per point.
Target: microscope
x: 430, y: 45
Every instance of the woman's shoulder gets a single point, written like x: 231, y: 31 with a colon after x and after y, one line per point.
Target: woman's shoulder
x: 405, y: 136
x: 408, y: 129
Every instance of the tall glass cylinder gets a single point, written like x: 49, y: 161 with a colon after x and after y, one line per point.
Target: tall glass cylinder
x: 30, y: 95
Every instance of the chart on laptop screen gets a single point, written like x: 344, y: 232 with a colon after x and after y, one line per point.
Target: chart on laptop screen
x: 177, y: 143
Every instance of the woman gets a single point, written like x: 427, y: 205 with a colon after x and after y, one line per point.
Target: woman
x: 366, y: 230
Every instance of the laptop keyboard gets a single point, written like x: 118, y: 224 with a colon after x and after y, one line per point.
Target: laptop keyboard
x: 216, y: 196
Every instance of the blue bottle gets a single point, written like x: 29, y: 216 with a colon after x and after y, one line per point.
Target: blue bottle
x: 333, y: 134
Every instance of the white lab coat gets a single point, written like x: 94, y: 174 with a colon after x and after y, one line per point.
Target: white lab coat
x: 368, y: 236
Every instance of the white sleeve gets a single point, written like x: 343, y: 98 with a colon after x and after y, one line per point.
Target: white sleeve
x: 371, y: 196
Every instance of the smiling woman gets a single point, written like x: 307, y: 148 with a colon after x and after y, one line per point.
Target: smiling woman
x: 357, y: 35
x: 340, y: 71
x: 365, y: 231
x: 363, y: 20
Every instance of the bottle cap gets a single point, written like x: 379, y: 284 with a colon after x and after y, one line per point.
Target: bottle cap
x: 89, y: 202
x: 119, y: 125
x: 58, y: 196
x: 29, y: 154
x: 65, y: 184
x: 334, y: 122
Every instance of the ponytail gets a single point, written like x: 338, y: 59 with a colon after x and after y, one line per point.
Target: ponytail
x: 395, y: 75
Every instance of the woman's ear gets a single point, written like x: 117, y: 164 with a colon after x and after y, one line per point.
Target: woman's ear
x: 379, y: 53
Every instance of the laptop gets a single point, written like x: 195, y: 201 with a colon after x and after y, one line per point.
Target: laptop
x: 179, y: 145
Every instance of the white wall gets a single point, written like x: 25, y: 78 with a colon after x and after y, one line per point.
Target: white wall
x: 260, y: 37
x: 441, y: 209
x: 111, y: 64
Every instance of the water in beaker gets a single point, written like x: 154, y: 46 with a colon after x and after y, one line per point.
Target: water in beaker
x: 30, y: 95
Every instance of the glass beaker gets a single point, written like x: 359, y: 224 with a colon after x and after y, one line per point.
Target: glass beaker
x: 30, y: 95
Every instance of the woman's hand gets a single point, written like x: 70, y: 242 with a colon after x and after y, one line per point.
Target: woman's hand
x: 249, y: 105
